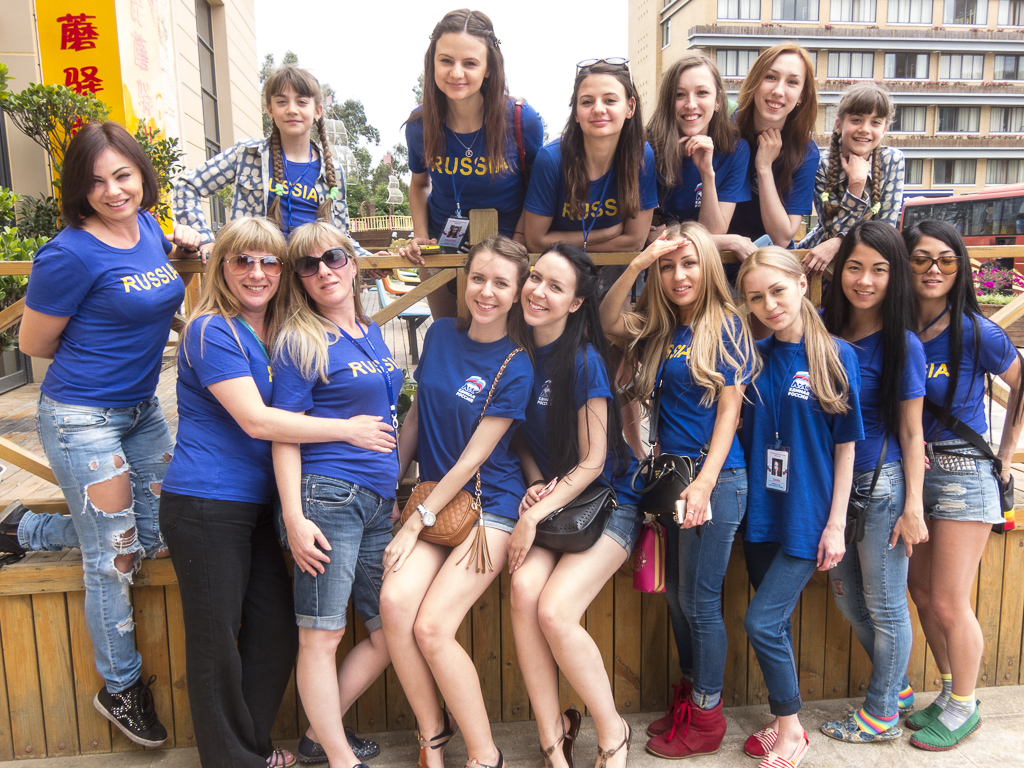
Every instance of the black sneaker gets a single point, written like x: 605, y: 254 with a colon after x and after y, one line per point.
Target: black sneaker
x: 133, y: 713
x: 11, y: 550
x: 310, y: 751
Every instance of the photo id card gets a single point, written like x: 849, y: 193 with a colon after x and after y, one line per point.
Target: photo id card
x: 777, y: 477
x: 454, y: 233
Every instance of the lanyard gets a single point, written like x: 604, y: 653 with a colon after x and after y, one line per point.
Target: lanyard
x: 600, y: 200
x: 456, y: 191
x: 380, y: 366
x: 258, y: 339
x: 777, y: 401
x: 933, y: 322
x: 287, y: 202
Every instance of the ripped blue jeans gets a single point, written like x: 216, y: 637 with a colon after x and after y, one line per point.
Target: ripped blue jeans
x: 88, y: 445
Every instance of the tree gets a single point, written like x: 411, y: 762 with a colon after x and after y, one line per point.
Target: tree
x: 353, y: 115
x: 417, y: 90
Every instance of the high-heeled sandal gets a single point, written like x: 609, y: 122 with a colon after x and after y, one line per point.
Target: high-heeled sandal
x: 605, y: 755
x: 569, y: 738
x: 478, y: 764
x: 438, y: 742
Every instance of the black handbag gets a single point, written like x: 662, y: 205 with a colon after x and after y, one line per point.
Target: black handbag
x: 856, y: 510
x: 578, y: 525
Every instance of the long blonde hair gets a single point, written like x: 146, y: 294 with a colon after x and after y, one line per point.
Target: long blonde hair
x: 246, y: 234
x: 306, y: 334
x: 715, y: 320
x: 829, y: 382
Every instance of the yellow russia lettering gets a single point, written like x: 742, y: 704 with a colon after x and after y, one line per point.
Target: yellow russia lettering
x: 679, y: 350
x: 596, y: 209
x: 937, y: 369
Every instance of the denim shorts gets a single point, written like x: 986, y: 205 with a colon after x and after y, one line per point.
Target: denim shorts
x: 960, y: 485
x: 357, y: 524
x: 498, y: 522
x: 623, y: 526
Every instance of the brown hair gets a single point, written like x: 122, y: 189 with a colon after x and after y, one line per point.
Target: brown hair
x: 304, y: 84
x: 76, y: 177
x: 663, y: 130
x: 434, y: 111
x: 507, y: 248
x: 799, y: 126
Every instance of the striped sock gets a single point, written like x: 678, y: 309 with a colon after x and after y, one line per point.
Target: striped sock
x: 947, y: 689
x: 906, y: 698
x: 958, y: 711
x: 872, y: 723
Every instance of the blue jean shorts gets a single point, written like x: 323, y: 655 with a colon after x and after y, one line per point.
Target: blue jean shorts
x: 498, y: 522
x: 960, y: 484
x: 623, y: 526
x: 357, y: 524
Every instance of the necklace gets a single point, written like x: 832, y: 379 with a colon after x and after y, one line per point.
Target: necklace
x: 469, y: 149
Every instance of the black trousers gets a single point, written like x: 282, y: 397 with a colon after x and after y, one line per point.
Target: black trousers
x: 240, y: 633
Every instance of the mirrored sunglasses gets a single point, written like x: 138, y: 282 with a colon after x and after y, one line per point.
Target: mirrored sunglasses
x: 242, y: 263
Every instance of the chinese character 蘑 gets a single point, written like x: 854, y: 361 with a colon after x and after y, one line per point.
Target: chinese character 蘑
x: 77, y: 33
x: 141, y: 54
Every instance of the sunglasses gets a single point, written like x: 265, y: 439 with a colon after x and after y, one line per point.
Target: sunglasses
x: 333, y: 258
x: 948, y: 265
x: 242, y: 263
x: 614, y: 61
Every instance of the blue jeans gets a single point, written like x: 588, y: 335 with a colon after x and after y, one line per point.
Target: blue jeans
x: 81, y: 444
x: 694, y: 571
x: 768, y: 626
x: 870, y: 587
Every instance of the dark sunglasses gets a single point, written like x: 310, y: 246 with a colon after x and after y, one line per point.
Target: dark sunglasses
x: 948, y: 265
x: 333, y: 258
x: 242, y: 263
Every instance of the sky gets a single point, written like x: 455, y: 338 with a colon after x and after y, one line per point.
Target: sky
x: 373, y: 50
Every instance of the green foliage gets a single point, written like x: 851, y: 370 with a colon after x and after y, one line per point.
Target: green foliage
x: 14, y: 246
x: 39, y: 216
x: 353, y: 115
x: 406, y: 395
x: 166, y: 157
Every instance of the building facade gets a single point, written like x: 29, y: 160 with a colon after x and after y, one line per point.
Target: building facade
x: 955, y: 69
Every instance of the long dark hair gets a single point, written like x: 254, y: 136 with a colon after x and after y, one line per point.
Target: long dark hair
x: 582, y: 327
x: 629, y: 152
x: 897, y: 313
x: 961, y: 300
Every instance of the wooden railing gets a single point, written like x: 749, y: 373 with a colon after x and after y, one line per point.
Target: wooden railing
x: 379, y: 223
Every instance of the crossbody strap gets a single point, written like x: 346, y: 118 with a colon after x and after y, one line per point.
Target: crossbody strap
x: 878, y: 466
x: 487, y: 402
x: 964, y: 432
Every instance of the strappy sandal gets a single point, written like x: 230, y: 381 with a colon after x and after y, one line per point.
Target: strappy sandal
x: 546, y: 752
x: 438, y: 742
x: 605, y: 755
x: 569, y: 738
x: 280, y: 758
x: 478, y: 764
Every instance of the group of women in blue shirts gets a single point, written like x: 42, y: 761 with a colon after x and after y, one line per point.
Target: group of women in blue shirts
x: 287, y: 392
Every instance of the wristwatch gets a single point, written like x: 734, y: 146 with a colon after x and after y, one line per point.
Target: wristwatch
x: 426, y: 516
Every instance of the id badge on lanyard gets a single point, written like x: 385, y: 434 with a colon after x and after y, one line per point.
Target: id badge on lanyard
x: 454, y: 233
x: 777, y: 474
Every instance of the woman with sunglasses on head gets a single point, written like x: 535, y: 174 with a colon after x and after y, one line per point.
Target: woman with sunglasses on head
x: 470, y: 144
x: 218, y: 501
x: 330, y: 360
x: 474, y: 384
x: 961, y: 494
x: 871, y: 307
x: 687, y: 336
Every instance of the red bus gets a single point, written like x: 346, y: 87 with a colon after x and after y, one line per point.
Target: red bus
x: 994, y: 216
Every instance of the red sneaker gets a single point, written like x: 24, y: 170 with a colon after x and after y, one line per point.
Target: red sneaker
x: 680, y: 692
x: 695, y: 732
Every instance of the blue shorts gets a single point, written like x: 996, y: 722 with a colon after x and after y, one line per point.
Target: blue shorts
x: 357, y: 524
x: 960, y: 484
x: 624, y: 526
x: 498, y: 522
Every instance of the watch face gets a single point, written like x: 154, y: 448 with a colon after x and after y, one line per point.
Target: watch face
x: 429, y: 519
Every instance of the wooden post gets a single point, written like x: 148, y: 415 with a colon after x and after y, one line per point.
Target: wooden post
x: 483, y: 223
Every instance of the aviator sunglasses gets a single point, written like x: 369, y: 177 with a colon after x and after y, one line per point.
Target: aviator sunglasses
x: 242, y: 263
x: 947, y: 265
x: 333, y: 258
x: 614, y: 61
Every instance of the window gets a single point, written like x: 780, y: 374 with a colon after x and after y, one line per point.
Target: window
x: 906, y: 66
x: 909, y: 120
x: 1004, y: 172
x: 735, y: 63
x: 1011, y: 13
x: 955, y: 171
x: 831, y: 113
x: 862, y: 11
x: 910, y: 12
x: 965, y: 12
x: 1009, y: 68
x: 794, y: 10
x: 961, y: 66
x: 914, y: 171
x: 1007, y: 120
x: 959, y: 120
x: 739, y: 9
x: 208, y: 88
x: 845, y: 64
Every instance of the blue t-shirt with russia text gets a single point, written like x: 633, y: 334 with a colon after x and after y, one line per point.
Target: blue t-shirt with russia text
x: 591, y: 381
x: 213, y: 456
x: 997, y: 353
x: 454, y: 375
x: 870, y: 355
x: 798, y: 199
x: 471, y: 179
x: 546, y: 196
x: 301, y: 200
x: 682, y: 201
x: 356, y: 387
x: 120, y: 303
x: 684, y: 425
x: 794, y: 519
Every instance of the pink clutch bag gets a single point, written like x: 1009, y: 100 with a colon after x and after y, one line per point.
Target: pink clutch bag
x: 649, y: 558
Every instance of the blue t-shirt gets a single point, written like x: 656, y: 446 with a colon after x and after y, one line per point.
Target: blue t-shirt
x: 794, y: 519
x: 356, y: 387
x: 591, y: 381
x: 120, y: 303
x: 682, y: 201
x: 798, y: 199
x: 870, y: 356
x: 300, y: 201
x: 213, y: 456
x: 546, y: 196
x: 997, y: 353
x: 470, y: 178
x: 684, y: 425
x: 455, y: 374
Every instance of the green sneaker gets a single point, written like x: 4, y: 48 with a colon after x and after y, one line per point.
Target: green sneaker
x: 923, y: 718
x: 938, y: 738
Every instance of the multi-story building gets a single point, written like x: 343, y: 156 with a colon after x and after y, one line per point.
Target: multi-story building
x: 955, y: 69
